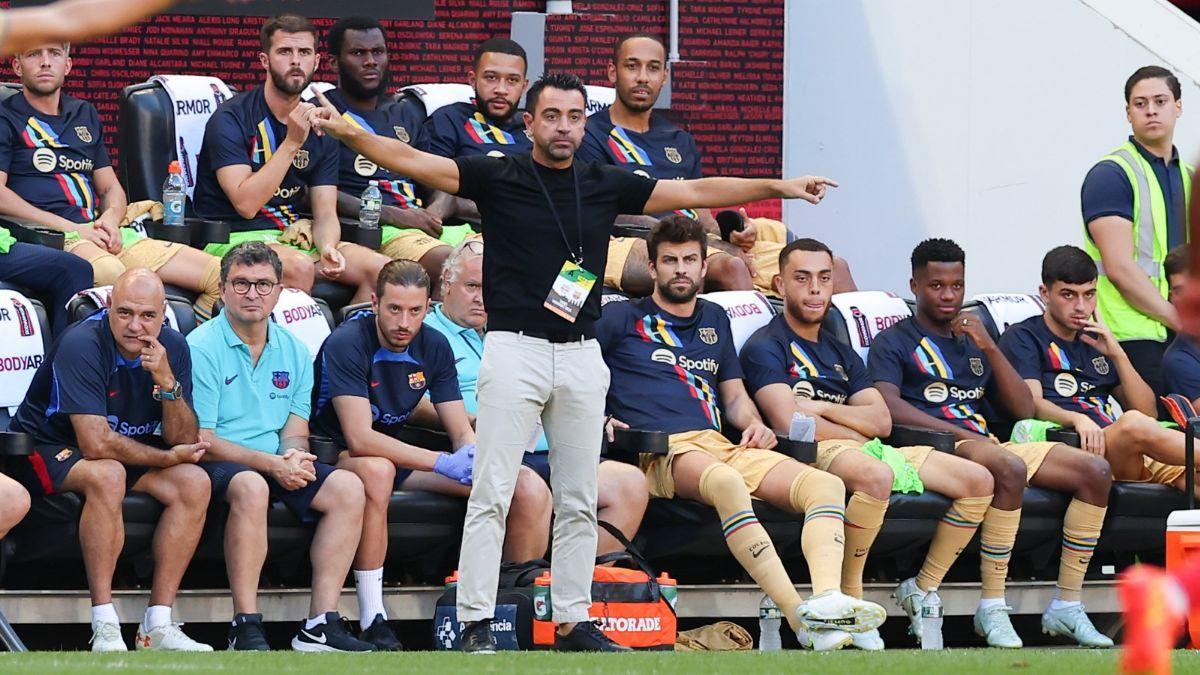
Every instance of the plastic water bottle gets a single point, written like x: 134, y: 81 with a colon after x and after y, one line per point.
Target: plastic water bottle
x: 769, y: 618
x: 370, y: 206
x: 174, y: 194
x: 931, y: 620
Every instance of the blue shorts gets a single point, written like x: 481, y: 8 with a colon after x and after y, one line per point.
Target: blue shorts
x: 49, y: 465
x: 401, y: 476
x: 299, y: 502
x: 540, y: 463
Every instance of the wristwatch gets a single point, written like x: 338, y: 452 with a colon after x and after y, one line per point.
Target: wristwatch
x: 173, y: 394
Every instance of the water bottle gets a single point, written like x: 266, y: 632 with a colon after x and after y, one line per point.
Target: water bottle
x: 370, y: 206
x: 174, y: 194
x: 769, y: 618
x: 931, y: 620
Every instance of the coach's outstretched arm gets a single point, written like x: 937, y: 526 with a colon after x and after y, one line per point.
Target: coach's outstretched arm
x: 72, y: 21
x: 433, y: 171
x: 719, y: 191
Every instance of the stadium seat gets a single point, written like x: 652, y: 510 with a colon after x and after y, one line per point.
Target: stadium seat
x: 179, y: 315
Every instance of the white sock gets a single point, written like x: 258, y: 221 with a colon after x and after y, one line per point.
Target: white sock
x: 988, y: 603
x: 156, y: 615
x: 106, y: 613
x: 312, y: 623
x: 1058, y: 603
x: 369, y: 588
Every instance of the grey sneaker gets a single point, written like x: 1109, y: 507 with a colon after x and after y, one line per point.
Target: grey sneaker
x: 1073, y: 622
x: 909, y: 596
x: 993, y: 625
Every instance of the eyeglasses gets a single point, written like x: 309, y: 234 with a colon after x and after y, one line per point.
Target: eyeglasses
x: 262, y: 287
x: 473, y: 245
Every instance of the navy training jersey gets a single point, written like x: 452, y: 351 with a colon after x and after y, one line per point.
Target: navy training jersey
x: 50, y: 159
x: 355, y: 172
x: 244, y: 131
x: 460, y: 130
x: 1075, y: 376
x: 826, y: 370
x: 85, y: 374
x: 353, y: 363
x: 1181, y: 368
x: 665, y: 368
x: 944, y: 377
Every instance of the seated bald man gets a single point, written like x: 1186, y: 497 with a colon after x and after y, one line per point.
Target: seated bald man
x: 110, y: 410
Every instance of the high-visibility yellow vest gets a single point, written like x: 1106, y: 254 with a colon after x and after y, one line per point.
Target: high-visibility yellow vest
x: 1149, y: 245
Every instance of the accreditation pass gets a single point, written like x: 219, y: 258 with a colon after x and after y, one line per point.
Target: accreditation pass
x: 570, y: 290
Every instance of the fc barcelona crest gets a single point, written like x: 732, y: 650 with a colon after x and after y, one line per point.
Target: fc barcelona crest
x: 708, y: 335
x: 401, y: 133
x: 841, y: 371
x: 1101, y: 365
x: 673, y: 155
x: 529, y: 134
x: 300, y: 161
x: 281, y: 379
x: 977, y: 366
x: 416, y: 380
x: 84, y: 134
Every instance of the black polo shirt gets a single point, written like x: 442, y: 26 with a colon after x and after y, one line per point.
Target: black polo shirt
x: 525, y: 247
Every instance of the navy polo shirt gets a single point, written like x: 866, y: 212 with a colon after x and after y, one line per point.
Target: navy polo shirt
x: 1108, y: 192
x: 1181, y: 368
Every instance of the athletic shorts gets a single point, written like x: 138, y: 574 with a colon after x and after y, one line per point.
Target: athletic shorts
x: 299, y: 502
x: 1033, y: 454
x: 752, y: 464
x: 829, y: 450
x: 136, y: 249
x: 49, y: 465
x: 265, y: 236
x: 771, y: 230
x: 407, y: 244
x: 1162, y: 474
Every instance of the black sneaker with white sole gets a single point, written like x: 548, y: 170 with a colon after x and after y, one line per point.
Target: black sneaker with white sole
x: 331, y: 636
x: 381, y: 635
x: 477, y: 638
x: 246, y: 634
x: 586, y: 636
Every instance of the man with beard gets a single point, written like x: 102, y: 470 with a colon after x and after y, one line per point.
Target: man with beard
x: 675, y: 369
x: 259, y: 162
x: 55, y: 172
x: 547, y: 220
x: 358, y: 46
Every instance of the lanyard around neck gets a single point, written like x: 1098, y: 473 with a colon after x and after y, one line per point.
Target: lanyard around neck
x: 576, y: 254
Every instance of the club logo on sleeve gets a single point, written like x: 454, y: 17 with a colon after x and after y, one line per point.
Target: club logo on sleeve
x: 281, y: 379
x: 416, y: 380
x: 528, y: 134
x: 84, y: 134
x: 364, y: 166
x: 495, y: 153
x: 673, y: 155
x: 936, y: 392
x: 803, y: 389
x: 1066, y: 385
x: 1101, y: 365
x: 401, y: 133
x: 44, y: 160
x: 708, y: 335
x: 977, y: 366
x: 300, y: 161
x: 841, y: 371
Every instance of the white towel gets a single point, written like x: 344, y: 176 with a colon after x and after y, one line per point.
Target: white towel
x: 194, y: 98
x: 21, y: 348
x: 435, y: 96
x: 297, y: 312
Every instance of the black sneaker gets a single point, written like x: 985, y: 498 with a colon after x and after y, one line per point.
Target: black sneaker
x: 246, y: 634
x: 477, y: 638
x: 381, y: 635
x: 331, y: 636
x: 586, y: 636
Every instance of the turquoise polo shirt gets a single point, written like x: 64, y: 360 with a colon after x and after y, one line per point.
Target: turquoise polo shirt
x: 244, y: 403
x: 467, y: 345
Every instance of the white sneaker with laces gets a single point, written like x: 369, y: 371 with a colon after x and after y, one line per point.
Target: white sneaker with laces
x: 168, y: 638
x: 106, y: 637
x: 868, y: 641
x: 834, y: 610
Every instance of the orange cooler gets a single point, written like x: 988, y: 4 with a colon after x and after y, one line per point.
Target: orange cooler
x: 1183, y: 545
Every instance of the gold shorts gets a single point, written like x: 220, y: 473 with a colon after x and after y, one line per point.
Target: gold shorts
x: 766, y: 265
x: 149, y: 253
x: 752, y: 463
x: 1033, y: 454
x: 770, y: 230
x: 1157, y: 472
x: 409, y: 244
x: 618, y: 254
x: 829, y: 450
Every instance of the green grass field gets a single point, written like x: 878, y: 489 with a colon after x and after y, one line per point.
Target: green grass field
x: 899, y: 662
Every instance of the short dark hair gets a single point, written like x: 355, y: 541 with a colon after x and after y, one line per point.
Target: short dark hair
x: 402, y: 273
x: 562, y: 81
x: 1068, y: 264
x: 498, y: 45
x: 337, y: 32
x: 1150, y: 73
x: 634, y: 36
x: 250, y: 253
x: 288, y: 23
x: 676, y: 229
x: 806, y: 244
x: 937, y: 250
x: 1178, y: 260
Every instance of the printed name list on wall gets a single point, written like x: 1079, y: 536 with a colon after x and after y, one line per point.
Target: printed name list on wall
x: 728, y: 90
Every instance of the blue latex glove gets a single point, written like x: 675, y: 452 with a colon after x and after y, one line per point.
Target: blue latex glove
x: 457, y: 465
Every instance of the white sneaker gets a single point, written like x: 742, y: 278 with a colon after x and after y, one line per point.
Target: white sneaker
x: 868, y: 641
x: 106, y: 637
x: 168, y: 638
x: 823, y: 640
x: 834, y: 610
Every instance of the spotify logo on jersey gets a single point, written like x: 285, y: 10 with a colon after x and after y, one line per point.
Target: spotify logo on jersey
x: 364, y: 166
x: 1066, y: 384
x: 936, y: 392
x: 495, y: 153
x: 803, y: 389
x: 44, y: 160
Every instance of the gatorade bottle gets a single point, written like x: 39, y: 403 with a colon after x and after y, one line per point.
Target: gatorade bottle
x: 670, y: 589
x: 452, y: 580
x: 541, y: 598
x: 174, y: 194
